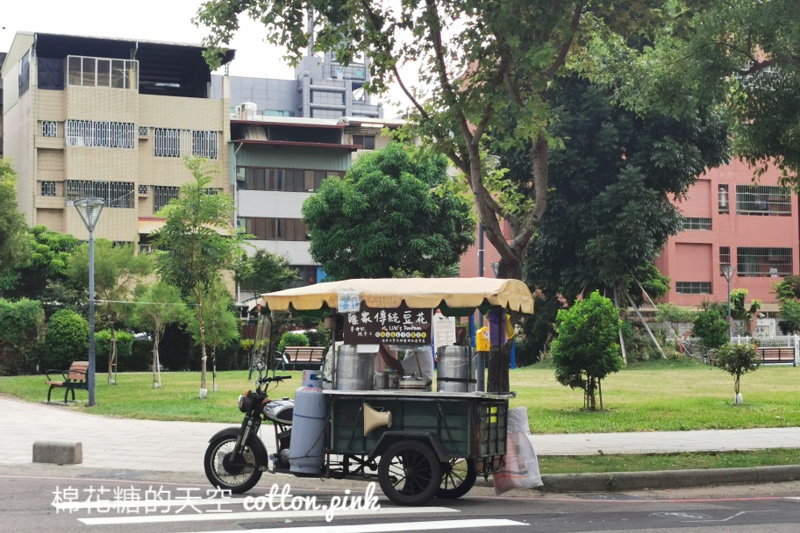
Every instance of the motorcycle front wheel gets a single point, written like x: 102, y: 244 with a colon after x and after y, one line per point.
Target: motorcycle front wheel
x: 237, y: 472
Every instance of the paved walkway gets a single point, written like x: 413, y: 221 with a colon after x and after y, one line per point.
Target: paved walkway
x: 116, y: 443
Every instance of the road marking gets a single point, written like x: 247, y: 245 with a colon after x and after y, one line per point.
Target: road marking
x: 384, y: 528
x: 216, y: 516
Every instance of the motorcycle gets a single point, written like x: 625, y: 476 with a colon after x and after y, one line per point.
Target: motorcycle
x: 236, y: 457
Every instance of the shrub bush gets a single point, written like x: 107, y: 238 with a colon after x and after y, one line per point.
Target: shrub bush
x: 712, y: 328
x: 102, y: 348
x: 293, y: 339
x: 20, y: 324
x: 67, y: 340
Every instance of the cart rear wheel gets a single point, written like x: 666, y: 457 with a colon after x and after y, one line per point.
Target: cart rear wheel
x: 458, y: 477
x: 409, y: 472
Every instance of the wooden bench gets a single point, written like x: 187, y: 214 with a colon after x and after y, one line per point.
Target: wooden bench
x: 777, y: 355
x: 294, y: 357
x: 74, y: 378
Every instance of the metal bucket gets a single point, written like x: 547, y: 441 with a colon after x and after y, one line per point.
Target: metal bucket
x: 354, y: 370
x: 456, y: 373
x: 412, y: 382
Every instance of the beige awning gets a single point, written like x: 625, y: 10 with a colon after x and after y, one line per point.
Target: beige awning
x: 454, y: 293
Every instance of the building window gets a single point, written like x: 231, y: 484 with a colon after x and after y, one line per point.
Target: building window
x: 48, y: 188
x: 367, y: 142
x: 162, y: 195
x: 99, y: 133
x: 274, y: 229
x: 283, y: 179
x: 693, y: 287
x: 171, y: 142
x: 763, y: 200
x: 696, y: 223
x: 102, y: 72
x: 724, y: 255
x: 49, y: 128
x: 114, y: 193
x: 723, y: 199
x: 763, y: 262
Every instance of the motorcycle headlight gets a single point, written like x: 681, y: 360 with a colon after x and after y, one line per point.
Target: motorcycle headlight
x: 246, y: 401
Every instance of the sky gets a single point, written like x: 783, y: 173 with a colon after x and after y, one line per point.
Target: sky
x: 150, y: 20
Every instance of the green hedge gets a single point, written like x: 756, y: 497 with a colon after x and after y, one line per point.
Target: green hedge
x: 20, y: 324
x: 67, y: 340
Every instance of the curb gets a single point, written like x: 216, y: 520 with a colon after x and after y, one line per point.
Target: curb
x: 668, y: 479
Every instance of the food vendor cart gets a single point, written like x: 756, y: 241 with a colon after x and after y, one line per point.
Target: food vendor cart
x: 417, y: 443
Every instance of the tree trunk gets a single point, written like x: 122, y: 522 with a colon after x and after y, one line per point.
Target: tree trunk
x: 156, y: 339
x: 112, y: 355
x: 203, y: 356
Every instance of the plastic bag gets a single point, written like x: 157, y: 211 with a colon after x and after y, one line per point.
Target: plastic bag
x: 521, y: 468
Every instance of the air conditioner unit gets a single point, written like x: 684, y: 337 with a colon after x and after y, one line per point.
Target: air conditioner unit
x: 144, y: 190
x: 144, y: 132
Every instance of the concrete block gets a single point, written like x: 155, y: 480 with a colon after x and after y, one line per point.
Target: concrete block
x: 57, y: 452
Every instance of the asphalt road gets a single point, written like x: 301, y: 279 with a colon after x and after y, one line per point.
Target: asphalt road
x: 71, y: 499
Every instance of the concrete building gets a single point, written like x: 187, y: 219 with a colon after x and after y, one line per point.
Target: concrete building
x: 88, y: 116
x: 287, y: 136
x: 729, y: 220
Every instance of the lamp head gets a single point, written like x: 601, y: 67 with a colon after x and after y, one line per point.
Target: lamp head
x: 89, y: 209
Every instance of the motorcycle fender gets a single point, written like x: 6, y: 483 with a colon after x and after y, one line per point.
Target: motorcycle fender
x: 253, y: 442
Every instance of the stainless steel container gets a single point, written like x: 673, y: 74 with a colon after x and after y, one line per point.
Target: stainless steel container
x: 354, y: 370
x: 456, y: 370
x: 384, y: 381
x: 412, y: 382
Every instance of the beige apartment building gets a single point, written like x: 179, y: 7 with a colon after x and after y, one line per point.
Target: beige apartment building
x: 111, y: 118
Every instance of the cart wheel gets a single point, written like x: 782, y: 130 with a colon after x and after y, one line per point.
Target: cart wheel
x: 409, y: 472
x: 458, y: 477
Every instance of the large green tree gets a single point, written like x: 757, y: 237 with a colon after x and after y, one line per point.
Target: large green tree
x: 612, y: 181
x: 197, y: 243
x: 14, y: 245
x: 472, y: 61
x: 117, y: 271
x: 742, y: 54
x: 388, y: 212
x: 41, y: 276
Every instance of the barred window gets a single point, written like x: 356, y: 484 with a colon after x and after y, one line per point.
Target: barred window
x: 724, y: 255
x: 172, y: 142
x: 763, y: 262
x: 690, y: 223
x: 99, y: 133
x: 274, y: 229
x: 763, y: 200
x: 693, y: 287
x: 102, y: 72
x: 162, y: 195
x: 48, y: 188
x: 49, y: 128
x: 723, y: 199
x: 283, y: 179
x: 114, y: 193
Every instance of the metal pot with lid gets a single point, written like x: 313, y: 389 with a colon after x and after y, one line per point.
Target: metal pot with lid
x: 412, y: 382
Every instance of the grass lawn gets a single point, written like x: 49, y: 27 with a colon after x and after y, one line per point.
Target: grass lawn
x: 651, y: 396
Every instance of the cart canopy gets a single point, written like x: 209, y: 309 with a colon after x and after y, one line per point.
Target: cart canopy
x: 454, y: 296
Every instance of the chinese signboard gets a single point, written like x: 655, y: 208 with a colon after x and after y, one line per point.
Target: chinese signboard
x: 400, y: 325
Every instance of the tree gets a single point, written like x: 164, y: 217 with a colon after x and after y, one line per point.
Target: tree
x: 197, y: 243
x: 586, y: 350
x: 264, y: 272
x: 741, y: 54
x: 476, y: 62
x: 388, y: 212
x: 737, y: 359
x: 157, y: 306
x: 67, y: 339
x: 788, y: 294
x: 612, y: 179
x: 117, y: 270
x: 712, y: 329
x: 221, y: 324
x: 14, y: 245
x: 41, y: 274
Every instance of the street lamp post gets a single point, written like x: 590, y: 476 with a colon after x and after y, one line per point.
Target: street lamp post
x: 727, y: 271
x: 89, y: 209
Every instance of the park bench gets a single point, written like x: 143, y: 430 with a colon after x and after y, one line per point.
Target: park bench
x: 74, y: 378
x: 777, y: 355
x: 294, y: 357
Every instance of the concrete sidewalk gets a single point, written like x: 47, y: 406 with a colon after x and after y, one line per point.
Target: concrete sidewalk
x: 128, y: 444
